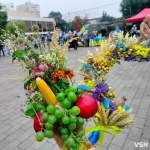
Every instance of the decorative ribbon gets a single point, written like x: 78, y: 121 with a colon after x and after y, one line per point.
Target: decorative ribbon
x: 102, y: 128
x: 88, y: 68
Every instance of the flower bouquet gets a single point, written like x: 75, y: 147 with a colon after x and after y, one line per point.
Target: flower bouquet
x: 59, y: 107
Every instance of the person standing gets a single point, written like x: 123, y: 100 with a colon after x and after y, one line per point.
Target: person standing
x: 7, y: 45
x: 60, y: 39
x: 95, y: 32
x: 48, y: 40
x: 134, y: 30
x: 1, y: 48
x: 86, y: 38
x: 43, y: 40
x: 103, y: 32
x: 145, y: 28
x: 91, y: 37
x: 75, y: 42
x: 70, y: 36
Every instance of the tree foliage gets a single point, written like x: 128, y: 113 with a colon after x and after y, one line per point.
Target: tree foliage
x: 106, y: 18
x: 3, y: 19
x: 60, y: 23
x: 21, y: 26
x: 129, y: 8
x: 77, y: 20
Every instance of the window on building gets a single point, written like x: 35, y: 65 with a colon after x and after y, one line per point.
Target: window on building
x: 29, y: 27
x: 44, y: 26
x: 40, y: 25
x: 49, y: 26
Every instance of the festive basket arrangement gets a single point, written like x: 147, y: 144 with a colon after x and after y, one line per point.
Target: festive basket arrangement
x: 59, y: 107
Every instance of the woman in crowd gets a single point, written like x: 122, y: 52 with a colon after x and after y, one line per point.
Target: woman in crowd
x: 117, y: 32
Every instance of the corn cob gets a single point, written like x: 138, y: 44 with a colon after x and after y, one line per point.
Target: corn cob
x: 47, y: 93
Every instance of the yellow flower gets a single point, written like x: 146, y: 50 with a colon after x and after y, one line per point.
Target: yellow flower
x: 91, y: 84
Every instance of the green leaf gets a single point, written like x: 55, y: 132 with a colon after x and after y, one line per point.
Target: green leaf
x: 26, y: 82
x: 20, y: 54
x: 78, y: 93
x: 34, y: 54
x: 29, y: 72
x: 29, y: 48
x: 62, y: 85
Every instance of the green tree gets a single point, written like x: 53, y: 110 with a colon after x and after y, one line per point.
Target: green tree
x: 129, y: 8
x: 77, y: 20
x: 21, y: 26
x: 60, y: 23
x: 106, y: 18
x: 3, y: 21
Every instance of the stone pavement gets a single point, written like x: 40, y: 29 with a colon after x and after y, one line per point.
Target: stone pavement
x: 131, y: 79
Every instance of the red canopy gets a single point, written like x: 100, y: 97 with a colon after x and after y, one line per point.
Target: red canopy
x: 140, y: 16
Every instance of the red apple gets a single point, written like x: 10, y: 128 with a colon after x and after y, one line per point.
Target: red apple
x: 88, y: 106
x: 37, y: 126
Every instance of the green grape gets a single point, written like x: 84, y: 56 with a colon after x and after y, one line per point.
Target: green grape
x: 78, y: 139
x: 27, y: 112
x: 60, y: 96
x: 45, y: 116
x: 59, y: 113
x: 65, y: 120
x: 70, y: 141
x: 40, y: 106
x: 50, y: 109
x: 64, y: 136
x: 66, y: 144
x: 49, y: 126
x: 64, y: 131
x: 51, y: 119
x: 80, y: 148
x: 75, y: 110
x: 32, y: 106
x: 74, y: 146
x: 72, y: 126
x: 66, y: 91
x: 66, y: 103
x: 40, y: 136
x: 73, y: 119
x: 49, y: 133
x: 32, y: 114
x: 42, y: 111
x: 73, y: 89
x: 80, y: 133
x: 80, y: 121
x: 72, y: 97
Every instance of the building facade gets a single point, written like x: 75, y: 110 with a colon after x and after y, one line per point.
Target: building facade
x: 45, y: 24
x: 6, y: 7
x: 29, y: 7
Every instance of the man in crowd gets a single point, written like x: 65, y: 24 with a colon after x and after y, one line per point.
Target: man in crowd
x: 91, y: 37
x: 43, y: 40
x: 134, y: 30
x: 103, y: 32
x: 49, y: 40
x: 145, y: 28
x: 1, y: 48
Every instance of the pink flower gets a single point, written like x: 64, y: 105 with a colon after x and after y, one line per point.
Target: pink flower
x: 29, y: 89
x: 40, y: 70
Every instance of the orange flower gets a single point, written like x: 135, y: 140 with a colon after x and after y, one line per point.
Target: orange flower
x: 60, y: 74
x: 65, y: 76
x: 71, y: 74
x: 67, y: 71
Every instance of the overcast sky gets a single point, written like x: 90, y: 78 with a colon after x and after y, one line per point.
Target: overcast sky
x: 65, y: 6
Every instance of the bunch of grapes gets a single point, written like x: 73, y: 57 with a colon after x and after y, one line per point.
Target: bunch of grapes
x: 68, y: 97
